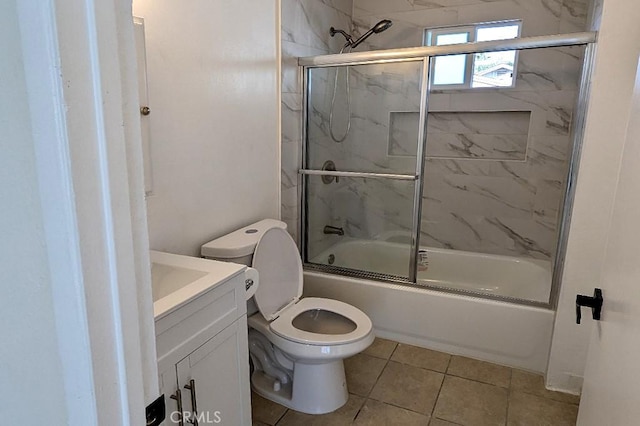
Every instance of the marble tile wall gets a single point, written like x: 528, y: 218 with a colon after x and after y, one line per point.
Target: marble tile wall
x: 505, y: 207
x: 487, y: 135
x: 410, y: 17
x: 497, y: 205
x: 362, y: 207
x: 305, y: 32
x: 508, y: 206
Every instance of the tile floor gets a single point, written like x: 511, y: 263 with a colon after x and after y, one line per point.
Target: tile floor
x: 398, y: 384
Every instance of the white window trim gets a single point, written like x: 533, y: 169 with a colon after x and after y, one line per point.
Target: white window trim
x: 472, y: 30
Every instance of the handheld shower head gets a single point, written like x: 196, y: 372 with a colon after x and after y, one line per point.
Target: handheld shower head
x: 376, y: 29
x: 381, y: 26
x: 349, y: 46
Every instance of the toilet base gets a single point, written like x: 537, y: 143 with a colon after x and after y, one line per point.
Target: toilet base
x: 315, y: 389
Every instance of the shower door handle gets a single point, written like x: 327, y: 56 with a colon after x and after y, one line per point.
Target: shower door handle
x: 595, y: 303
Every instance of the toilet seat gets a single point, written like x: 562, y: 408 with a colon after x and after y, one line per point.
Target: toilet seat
x: 283, y: 325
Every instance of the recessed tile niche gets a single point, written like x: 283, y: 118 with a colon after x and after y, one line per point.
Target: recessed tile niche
x: 488, y: 135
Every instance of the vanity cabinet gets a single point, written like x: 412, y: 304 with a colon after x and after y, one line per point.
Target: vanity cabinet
x: 203, y: 358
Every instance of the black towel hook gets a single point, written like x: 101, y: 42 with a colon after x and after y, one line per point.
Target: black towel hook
x: 595, y: 303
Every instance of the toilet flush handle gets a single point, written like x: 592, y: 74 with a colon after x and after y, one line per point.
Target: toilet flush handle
x: 251, y: 282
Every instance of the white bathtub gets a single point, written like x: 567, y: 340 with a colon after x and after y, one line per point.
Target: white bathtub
x: 506, y: 276
x: 499, y: 332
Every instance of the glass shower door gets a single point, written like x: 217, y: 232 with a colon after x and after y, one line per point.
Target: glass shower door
x: 464, y: 189
x: 498, y: 161
x: 361, y: 168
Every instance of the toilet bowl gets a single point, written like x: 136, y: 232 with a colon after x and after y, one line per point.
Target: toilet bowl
x: 296, y: 345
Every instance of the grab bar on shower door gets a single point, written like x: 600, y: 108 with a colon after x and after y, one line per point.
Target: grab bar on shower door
x: 358, y: 174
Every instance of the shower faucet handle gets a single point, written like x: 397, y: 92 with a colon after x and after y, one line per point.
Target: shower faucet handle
x: 332, y: 230
x: 595, y: 303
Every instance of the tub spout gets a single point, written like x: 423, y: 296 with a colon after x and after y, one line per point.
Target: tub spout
x: 333, y: 230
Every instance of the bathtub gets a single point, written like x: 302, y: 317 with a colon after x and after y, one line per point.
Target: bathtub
x: 500, y: 332
x: 505, y: 276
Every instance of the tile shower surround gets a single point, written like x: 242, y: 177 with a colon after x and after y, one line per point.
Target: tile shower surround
x: 305, y: 32
x: 489, y: 135
x: 471, y: 202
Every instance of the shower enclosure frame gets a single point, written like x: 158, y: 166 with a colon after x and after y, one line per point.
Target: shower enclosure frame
x: 424, y: 55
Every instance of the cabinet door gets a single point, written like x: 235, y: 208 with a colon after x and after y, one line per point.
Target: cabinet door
x: 220, y: 371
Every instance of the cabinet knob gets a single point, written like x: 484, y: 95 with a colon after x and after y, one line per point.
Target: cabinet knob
x: 145, y: 110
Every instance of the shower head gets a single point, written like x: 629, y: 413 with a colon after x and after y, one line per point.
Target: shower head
x: 376, y: 29
x: 381, y: 26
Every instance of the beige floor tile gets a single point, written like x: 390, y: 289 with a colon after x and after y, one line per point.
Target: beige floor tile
x: 341, y: 417
x: 471, y: 403
x: 406, y: 391
x: 408, y: 387
x: 479, y: 370
x: 534, y: 384
x: 420, y: 357
x: 362, y: 373
x: 381, y: 348
x: 265, y: 411
x: 375, y: 413
x: 531, y: 410
x: 438, y: 422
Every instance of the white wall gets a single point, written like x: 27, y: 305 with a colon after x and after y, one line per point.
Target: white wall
x: 612, y: 88
x: 30, y: 367
x: 214, y: 95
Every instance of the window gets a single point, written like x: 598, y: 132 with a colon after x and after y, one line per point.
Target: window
x: 491, y: 69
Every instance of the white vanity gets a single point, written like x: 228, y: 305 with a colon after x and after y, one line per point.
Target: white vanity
x: 201, y: 339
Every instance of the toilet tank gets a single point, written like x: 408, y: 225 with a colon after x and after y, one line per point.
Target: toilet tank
x: 238, y: 246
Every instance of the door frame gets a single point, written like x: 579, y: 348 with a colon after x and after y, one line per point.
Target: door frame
x: 80, y: 69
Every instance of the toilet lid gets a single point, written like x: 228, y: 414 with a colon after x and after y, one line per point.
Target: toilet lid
x: 280, y: 273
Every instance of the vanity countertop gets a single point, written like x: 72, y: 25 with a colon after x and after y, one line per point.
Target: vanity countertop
x: 176, y: 279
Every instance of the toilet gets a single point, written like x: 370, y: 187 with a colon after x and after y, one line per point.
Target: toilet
x: 296, y: 345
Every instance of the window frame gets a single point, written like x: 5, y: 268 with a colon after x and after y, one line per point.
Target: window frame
x: 430, y: 34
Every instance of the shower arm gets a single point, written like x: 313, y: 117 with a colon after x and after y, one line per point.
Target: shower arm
x: 347, y: 36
